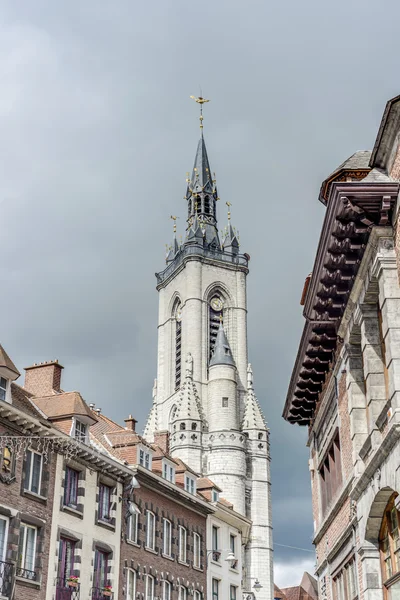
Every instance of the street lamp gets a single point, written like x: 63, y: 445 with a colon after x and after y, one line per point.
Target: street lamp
x: 257, y: 585
x: 231, y: 558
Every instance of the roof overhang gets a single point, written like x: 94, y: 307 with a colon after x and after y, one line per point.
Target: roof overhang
x: 354, y: 208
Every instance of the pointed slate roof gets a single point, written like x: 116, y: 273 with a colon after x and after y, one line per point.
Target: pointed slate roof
x: 195, y: 233
x: 253, y: 417
x: 222, y: 354
x: 231, y: 241
x: 201, y: 180
x: 7, y: 363
x: 189, y: 405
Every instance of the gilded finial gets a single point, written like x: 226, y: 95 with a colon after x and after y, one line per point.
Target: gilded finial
x: 174, y: 220
x: 187, y: 177
x: 229, y: 204
x: 200, y: 100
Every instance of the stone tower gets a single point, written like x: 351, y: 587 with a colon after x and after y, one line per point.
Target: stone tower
x: 204, y: 391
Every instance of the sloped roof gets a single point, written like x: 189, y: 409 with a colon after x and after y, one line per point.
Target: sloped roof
x: 63, y: 405
x: 222, y: 354
x: 278, y: 592
x: 21, y: 399
x: 292, y: 593
x: 356, y: 167
x: 6, y: 362
x: 206, y: 484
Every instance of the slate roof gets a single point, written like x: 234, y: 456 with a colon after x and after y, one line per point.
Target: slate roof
x: 356, y: 167
x: 222, y: 354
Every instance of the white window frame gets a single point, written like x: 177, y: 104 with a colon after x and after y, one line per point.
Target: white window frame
x: 182, y: 546
x: 78, y: 435
x: 167, y: 539
x: 31, y: 472
x: 133, y: 519
x: 148, y: 579
x: 145, y: 458
x: 150, y: 544
x: 4, y: 552
x: 166, y: 586
x: 168, y: 471
x: 182, y: 593
x: 215, y: 551
x: 190, y: 484
x: 5, y: 389
x: 130, y: 573
x: 197, y: 595
x: 196, y: 550
x: 215, y: 496
x: 235, y: 587
x: 27, y: 526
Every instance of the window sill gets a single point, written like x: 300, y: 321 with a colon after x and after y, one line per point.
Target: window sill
x: 28, y: 582
x: 132, y: 543
x: 168, y: 557
x: 105, y: 524
x: 198, y: 569
x: 150, y: 550
x: 35, y: 496
x: 184, y: 563
x: 72, y: 511
x: 214, y: 562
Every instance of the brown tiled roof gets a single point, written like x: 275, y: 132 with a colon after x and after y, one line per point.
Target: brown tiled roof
x: 204, y: 483
x: 184, y: 467
x: 278, y: 593
x: 225, y: 503
x: 6, y: 362
x: 292, y: 593
x: 21, y: 400
x: 63, y: 405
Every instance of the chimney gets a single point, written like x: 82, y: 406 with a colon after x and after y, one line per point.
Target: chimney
x: 43, y: 379
x: 130, y: 423
x: 161, y: 438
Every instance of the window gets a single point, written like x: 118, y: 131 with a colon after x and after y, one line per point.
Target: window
x: 233, y: 592
x: 215, y: 496
x: 7, y: 463
x: 190, y: 484
x: 144, y: 458
x: 182, y: 544
x: 71, y: 487
x: 182, y: 593
x: 131, y: 585
x: 168, y: 472
x: 26, y: 551
x: 330, y: 474
x: 232, y: 547
x: 178, y: 351
x: 33, y: 472
x: 104, y: 502
x: 80, y: 431
x: 149, y: 587
x: 224, y: 402
x: 389, y: 544
x: 150, y: 530
x: 100, y: 572
x: 196, y: 550
x: 3, y: 537
x: 166, y: 590
x: 167, y: 538
x: 344, y: 584
x: 3, y: 388
x: 66, y: 551
x: 215, y: 318
x: 132, y: 527
x: 197, y: 595
x: 215, y: 589
x: 182, y: 426
x: 215, y: 542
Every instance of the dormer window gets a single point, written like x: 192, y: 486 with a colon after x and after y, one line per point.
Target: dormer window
x: 215, y: 496
x: 3, y: 388
x: 145, y: 458
x: 190, y: 484
x: 168, y: 471
x: 80, y: 431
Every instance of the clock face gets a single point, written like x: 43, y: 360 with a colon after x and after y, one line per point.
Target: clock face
x: 217, y: 304
x: 179, y: 314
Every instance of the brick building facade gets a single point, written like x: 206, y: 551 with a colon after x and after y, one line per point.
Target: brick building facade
x: 345, y: 385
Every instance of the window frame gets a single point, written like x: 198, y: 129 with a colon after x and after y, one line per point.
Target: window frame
x: 216, y: 554
x: 21, y: 561
x: 330, y: 474
x: 167, y: 550
x: 3, y: 389
x: 197, y: 595
x: 145, y: 458
x: 132, y: 519
x: 190, y: 484
x: 130, y: 573
x: 233, y: 587
x: 182, y: 547
x: 150, y: 514
x: 7, y: 472
x: 101, y: 516
x: 196, y: 550
x: 33, y: 453
x: 389, y: 546
x: 182, y: 593
x: 80, y: 436
x: 168, y: 471
x: 148, y: 579
x: 67, y: 494
x: 167, y: 585
x: 215, y: 594
x: 343, y: 579
x: 6, y: 528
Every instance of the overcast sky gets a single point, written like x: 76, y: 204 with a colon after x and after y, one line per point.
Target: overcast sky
x: 96, y: 134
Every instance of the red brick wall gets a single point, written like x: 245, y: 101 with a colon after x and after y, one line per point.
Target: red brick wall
x: 137, y: 558
x: 344, y: 433
x: 334, y: 531
x: 397, y: 244
x: 41, y: 380
x: 13, y: 496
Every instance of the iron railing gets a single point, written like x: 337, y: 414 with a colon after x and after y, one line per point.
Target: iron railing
x: 26, y: 574
x: 66, y: 590
x: 100, y: 594
x: 226, y: 257
x: 6, y: 578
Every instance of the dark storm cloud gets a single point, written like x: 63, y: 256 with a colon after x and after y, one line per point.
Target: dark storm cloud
x: 97, y: 132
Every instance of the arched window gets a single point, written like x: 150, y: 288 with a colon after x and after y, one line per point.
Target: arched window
x: 216, y: 316
x: 130, y: 584
x: 389, y: 544
x: 194, y: 426
x: 182, y: 426
x: 207, y: 205
x: 178, y: 343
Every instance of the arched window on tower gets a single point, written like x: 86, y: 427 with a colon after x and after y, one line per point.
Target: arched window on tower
x: 216, y: 316
x: 389, y: 545
x: 178, y: 344
x: 207, y: 205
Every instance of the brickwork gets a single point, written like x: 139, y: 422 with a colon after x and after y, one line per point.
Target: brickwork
x: 345, y: 437
x: 144, y: 562
x: 334, y: 531
x: 397, y: 243
x: 42, y: 379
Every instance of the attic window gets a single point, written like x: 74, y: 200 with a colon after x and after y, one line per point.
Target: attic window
x: 215, y: 496
x: 80, y: 431
x: 190, y: 484
x: 145, y: 458
x: 3, y: 388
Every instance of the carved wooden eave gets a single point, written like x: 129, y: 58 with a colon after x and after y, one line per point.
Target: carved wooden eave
x: 353, y: 209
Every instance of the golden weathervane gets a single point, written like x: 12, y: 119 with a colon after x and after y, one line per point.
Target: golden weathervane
x: 200, y: 100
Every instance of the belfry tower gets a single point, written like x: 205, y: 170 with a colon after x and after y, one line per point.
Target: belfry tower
x: 204, y: 394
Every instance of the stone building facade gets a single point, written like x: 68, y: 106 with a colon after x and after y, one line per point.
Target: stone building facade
x: 204, y: 393
x: 345, y: 384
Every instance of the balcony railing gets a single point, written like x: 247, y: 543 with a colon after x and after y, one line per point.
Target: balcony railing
x: 101, y: 594
x: 66, y: 590
x: 6, y: 579
x: 26, y: 574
